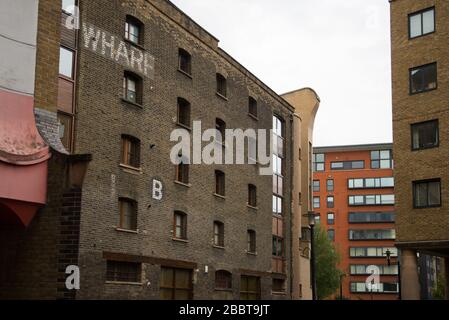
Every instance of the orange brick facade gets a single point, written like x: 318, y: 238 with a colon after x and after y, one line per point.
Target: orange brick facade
x: 373, y: 220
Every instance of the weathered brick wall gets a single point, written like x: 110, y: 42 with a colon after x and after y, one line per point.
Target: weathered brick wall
x: 101, y: 119
x: 419, y: 224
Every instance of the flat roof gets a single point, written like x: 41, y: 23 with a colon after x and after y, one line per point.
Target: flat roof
x: 354, y: 147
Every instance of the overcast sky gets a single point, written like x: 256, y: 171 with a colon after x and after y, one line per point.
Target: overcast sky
x: 340, y: 48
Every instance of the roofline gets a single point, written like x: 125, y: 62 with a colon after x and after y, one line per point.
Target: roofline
x: 302, y: 89
x: 222, y: 53
x: 354, y: 147
x: 194, y: 22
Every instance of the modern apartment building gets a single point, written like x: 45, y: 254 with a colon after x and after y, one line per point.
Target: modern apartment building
x: 120, y: 81
x: 353, y: 197
x: 420, y: 66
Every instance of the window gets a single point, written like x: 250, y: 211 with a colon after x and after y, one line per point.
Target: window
x: 66, y: 62
x: 223, y: 280
x: 347, y: 165
x: 175, y: 284
x: 330, y: 202
x: 306, y: 234
x: 316, y: 185
x: 278, y: 285
x: 128, y: 214
x: 221, y: 85
x: 427, y: 193
x: 277, y: 205
x: 252, y: 195
x: 423, y: 78
x: 185, y: 61
x: 318, y: 162
x: 183, y: 112
x: 130, y: 151
x: 371, y: 183
x: 252, y: 106
x: 220, y: 183
x: 68, y: 5
x: 331, y: 234
x: 134, y: 30
x: 371, y: 217
x: 220, y: 126
x: 180, y: 225
x: 330, y: 185
x: 182, y: 171
x: 372, y: 234
x: 316, y: 202
x: 381, y: 159
x: 361, y: 287
x: 132, y: 88
x: 278, y: 143
x: 371, y: 200
x: 249, y: 288
x: 372, y: 252
x: 425, y: 135
x: 357, y: 269
x: 317, y: 219
x: 117, y: 271
x: 330, y: 218
x: 218, y: 234
x: 251, y: 241
x: 278, y: 182
x: 278, y: 247
x: 421, y: 23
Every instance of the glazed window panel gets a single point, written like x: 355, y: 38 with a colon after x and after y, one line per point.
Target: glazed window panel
x: 316, y: 185
x: 128, y: 272
x: 427, y: 193
x: 422, y: 23
x: 185, y: 61
x: 130, y: 151
x: 180, y: 225
x: 423, y: 78
x: 252, y: 106
x: 316, y: 202
x: 66, y: 62
x: 425, y: 135
x: 218, y: 234
x: 128, y: 214
x: 184, y: 112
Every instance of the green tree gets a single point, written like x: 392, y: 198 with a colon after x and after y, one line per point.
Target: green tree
x: 438, y: 288
x: 326, y: 262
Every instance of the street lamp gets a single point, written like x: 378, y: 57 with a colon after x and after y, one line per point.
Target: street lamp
x: 311, y: 220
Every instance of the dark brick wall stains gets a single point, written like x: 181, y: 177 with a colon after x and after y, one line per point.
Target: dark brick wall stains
x: 68, y: 247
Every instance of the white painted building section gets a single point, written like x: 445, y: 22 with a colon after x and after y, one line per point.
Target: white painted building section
x: 18, y: 36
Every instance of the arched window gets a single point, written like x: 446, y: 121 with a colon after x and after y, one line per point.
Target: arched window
x: 252, y: 107
x: 223, y: 280
x: 220, y: 183
x: 218, y: 234
x: 132, y: 87
x: 184, y: 112
x: 185, y: 61
x: 182, y: 171
x: 220, y: 126
x: 252, y: 195
x: 128, y: 214
x: 130, y: 151
x: 221, y: 85
x: 251, y: 241
x: 180, y: 225
x: 134, y: 30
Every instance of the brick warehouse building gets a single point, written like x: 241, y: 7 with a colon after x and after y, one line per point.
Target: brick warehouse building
x: 353, y: 197
x: 420, y: 66
x: 134, y: 72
